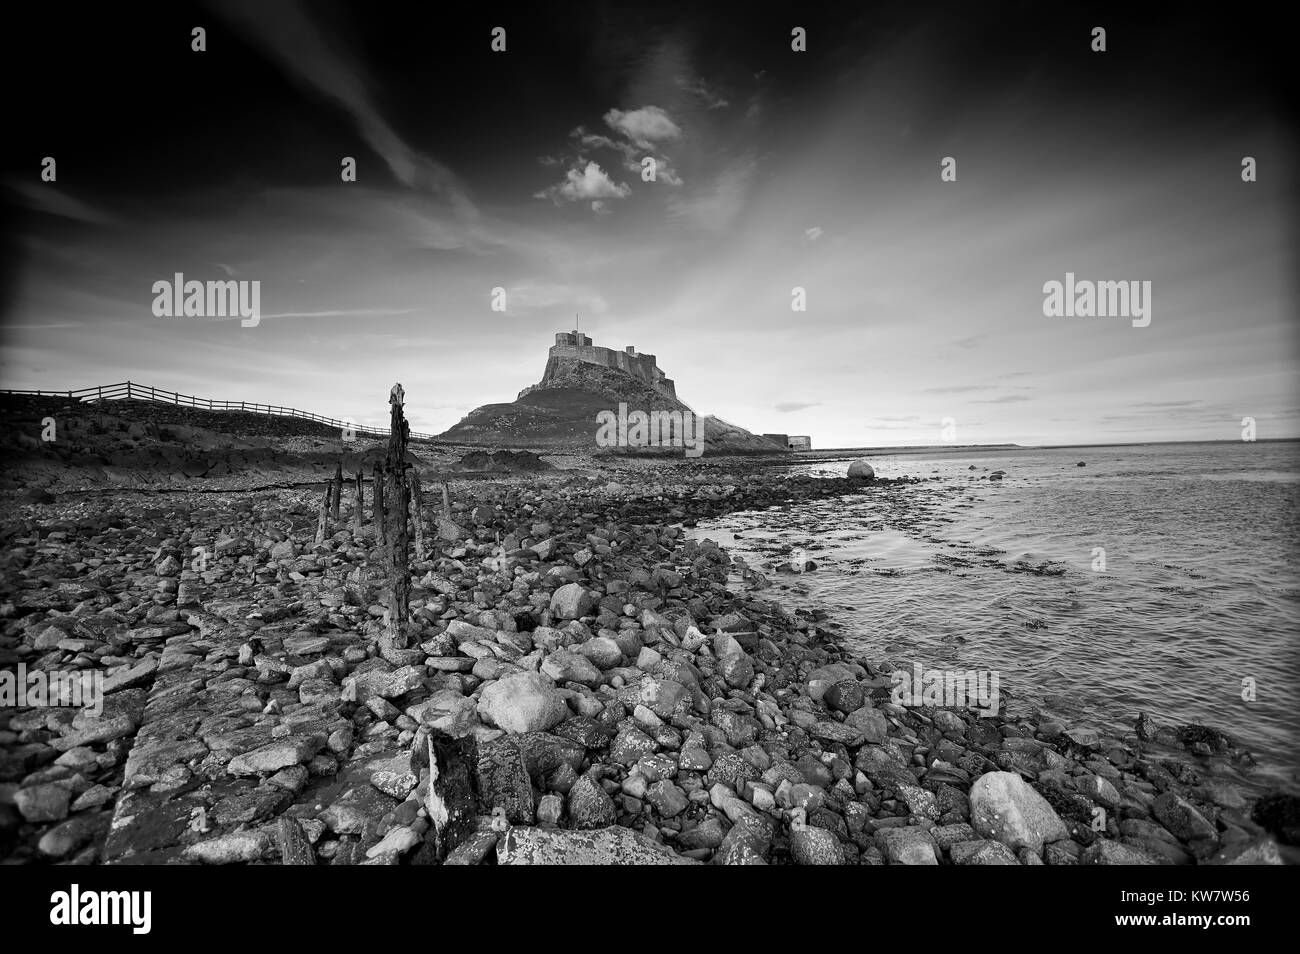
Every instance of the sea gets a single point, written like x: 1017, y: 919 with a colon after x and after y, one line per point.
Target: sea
x: 1161, y: 579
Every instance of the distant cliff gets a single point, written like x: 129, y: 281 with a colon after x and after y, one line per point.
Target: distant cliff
x: 581, y: 381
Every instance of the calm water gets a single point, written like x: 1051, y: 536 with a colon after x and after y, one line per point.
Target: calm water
x: 1200, y: 587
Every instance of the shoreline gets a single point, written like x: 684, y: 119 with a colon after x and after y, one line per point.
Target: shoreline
x: 642, y: 694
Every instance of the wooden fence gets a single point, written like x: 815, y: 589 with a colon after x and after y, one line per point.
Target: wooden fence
x: 128, y: 390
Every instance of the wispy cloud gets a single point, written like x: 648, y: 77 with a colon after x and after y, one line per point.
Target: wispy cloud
x: 47, y: 197
x: 287, y: 32
x: 707, y: 97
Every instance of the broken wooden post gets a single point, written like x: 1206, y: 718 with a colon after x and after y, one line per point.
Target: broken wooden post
x: 358, y: 504
x: 323, y: 518
x: 338, y: 490
x: 295, y: 849
x: 446, y: 500
x: 417, y: 513
x: 396, y: 515
x: 378, y: 503
x: 451, y: 798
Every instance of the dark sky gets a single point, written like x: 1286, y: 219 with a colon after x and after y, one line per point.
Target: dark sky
x: 520, y: 170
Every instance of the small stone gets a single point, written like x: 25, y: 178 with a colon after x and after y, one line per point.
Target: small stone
x: 43, y: 803
x: 550, y: 809
x: 815, y: 846
x: 276, y: 755
x: 571, y: 601
x: 981, y: 853
x: 590, y: 806
x: 1181, y: 818
x: 906, y: 846
x: 667, y: 798
x: 845, y: 696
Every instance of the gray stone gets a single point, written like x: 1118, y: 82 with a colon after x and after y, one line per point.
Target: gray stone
x: 907, y: 846
x: 277, y: 755
x: 614, y: 845
x: 981, y: 853
x: 571, y: 601
x: 43, y: 803
x: 589, y: 805
x: 523, y: 702
x: 1181, y: 817
x: 815, y: 846
x: 1004, y: 807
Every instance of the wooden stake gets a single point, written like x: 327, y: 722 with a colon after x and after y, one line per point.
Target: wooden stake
x: 417, y: 513
x: 378, y: 505
x: 338, y: 491
x: 358, y: 504
x: 396, y: 516
x: 323, y: 518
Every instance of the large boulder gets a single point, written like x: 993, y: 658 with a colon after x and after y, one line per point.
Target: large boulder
x: 1004, y: 807
x: 861, y: 470
x: 571, y: 601
x: 523, y: 702
x: 614, y: 845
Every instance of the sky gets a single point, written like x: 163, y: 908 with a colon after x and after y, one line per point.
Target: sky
x: 775, y: 169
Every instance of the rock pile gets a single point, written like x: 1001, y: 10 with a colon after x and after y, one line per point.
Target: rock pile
x: 623, y: 705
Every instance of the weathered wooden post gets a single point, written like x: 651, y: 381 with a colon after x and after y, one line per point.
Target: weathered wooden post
x: 378, y: 504
x: 358, y: 504
x: 397, y: 533
x: 338, y: 490
x: 417, y: 513
x: 323, y: 519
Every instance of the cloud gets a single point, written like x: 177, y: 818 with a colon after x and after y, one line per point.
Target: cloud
x: 288, y: 33
x: 589, y: 184
x: 532, y: 296
x: 697, y: 87
x: 665, y: 172
x: 714, y: 206
x: 814, y: 233
x: 345, y: 313
x: 46, y: 197
x: 645, y: 126
x: 788, y: 407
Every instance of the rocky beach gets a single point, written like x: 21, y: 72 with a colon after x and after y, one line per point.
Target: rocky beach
x: 580, y: 682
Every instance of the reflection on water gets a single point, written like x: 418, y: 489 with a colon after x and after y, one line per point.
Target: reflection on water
x: 1155, y: 579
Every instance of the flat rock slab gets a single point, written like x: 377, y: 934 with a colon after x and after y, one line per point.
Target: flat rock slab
x: 603, y: 846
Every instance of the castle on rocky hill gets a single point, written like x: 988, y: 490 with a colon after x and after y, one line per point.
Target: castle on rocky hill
x: 573, y: 348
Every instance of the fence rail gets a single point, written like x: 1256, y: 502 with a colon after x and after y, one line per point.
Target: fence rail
x: 129, y: 390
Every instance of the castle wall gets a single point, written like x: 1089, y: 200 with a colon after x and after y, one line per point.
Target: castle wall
x: 644, y: 367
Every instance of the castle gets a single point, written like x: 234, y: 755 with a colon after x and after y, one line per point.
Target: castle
x: 572, y: 348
